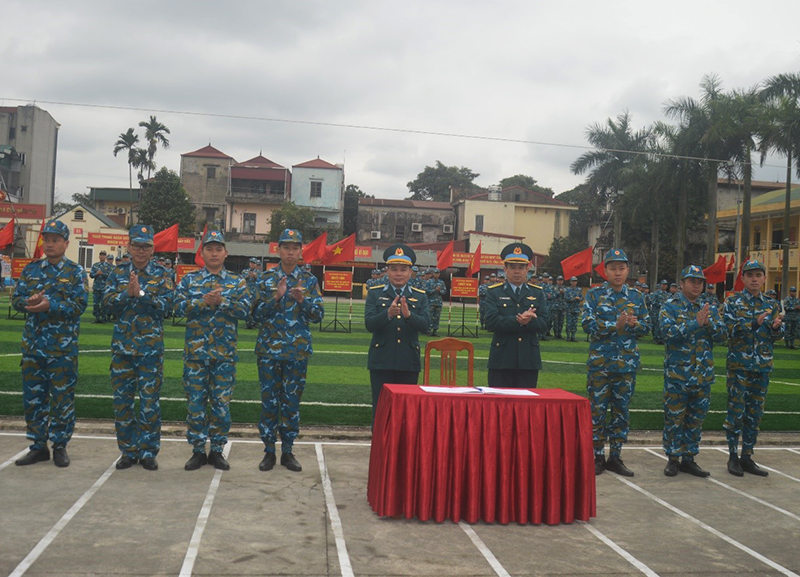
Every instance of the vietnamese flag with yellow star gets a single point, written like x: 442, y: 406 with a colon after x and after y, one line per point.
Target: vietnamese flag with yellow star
x: 342, y: 251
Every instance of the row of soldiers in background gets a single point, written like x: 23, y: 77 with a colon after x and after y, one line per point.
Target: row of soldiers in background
x: 53, y: 293
x: 429, y: 282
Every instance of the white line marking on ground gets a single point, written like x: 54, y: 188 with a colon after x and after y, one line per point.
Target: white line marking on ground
x: 59, y: 526
x: 619, y: 550
x: 202, y: 519
x: 794, y: 451
x: 485, y: 551
x: 183, y: 440
x: 780, y: 568
x: 12, y: 459
x: 776, y: 471
x: 333, y: 513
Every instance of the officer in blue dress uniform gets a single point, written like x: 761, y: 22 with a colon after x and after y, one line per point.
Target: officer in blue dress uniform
x: 287, y: 300
x: 139, y: 293
x: 518, y: 315
x: 395, y: 313
x: 53, y: 292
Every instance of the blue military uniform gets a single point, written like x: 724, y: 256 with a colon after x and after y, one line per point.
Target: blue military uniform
x: 99, y: 273
x: 688, y: 374
x: 558, y: 307
x: 749, y: 363
x: 434, y: 290
x: 394, y: 351
x: 137, y: 352
x: 573, y: 296
x: 791, y: 306
x: 613, y: 361
x: 252, y: 276
x: 283, y: 348
x: 209, y: 354
x: 657, y: 298
x: 514, y: 355
x: 50, y: 349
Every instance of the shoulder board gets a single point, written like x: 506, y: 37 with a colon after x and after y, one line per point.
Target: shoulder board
x: 413, y: 288
x: 497, y: 285
x: 535, y: 285
x: 377, y: 286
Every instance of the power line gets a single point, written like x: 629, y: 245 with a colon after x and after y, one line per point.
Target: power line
x: 378, y: 129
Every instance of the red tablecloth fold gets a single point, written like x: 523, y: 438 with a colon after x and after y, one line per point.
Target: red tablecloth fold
x: 482, y: 457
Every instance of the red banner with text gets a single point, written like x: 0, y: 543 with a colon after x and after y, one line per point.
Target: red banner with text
x: 17, y: 264
x: 183, y: 269
x: 464, y: 287
x: 338, y: 281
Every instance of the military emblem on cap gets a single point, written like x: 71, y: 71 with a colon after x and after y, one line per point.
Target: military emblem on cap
x: 141, y: 233
x: 290, y: 235
x: 57, y: 227
x: 616, y: 255
x: 214, y: 236
x: 693, y: 271
x: 400, y: 254
x: 516, y: 252
x: 754, y: 265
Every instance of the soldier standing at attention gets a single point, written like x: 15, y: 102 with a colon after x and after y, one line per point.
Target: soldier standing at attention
x: 517, y: 314
x: 573, y: 297
x: 709, y: 296
x: 659, y: 296
x: 375, y: 279
x: 53, y: 292
x: 690, y: 328
x: 482, y: 288
x: 287, y: 301
x: 434, y: 290
x: 791, y: 306
x: 614, y: 317
x: 213, y: 300
x: 251, y: 277
x: 395, y: 314
x: 753, y: 323
x: 559, y: 306
x: 139, y: 293
x: 99, y: 272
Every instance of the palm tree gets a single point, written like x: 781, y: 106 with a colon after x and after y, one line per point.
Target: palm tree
x: 128, y: 141
x: 154, y: 135
x: 611, y: 166
x: 142, y: 162
x: 783, y: 135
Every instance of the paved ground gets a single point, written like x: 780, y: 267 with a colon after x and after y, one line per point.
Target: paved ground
x: 91, y: 519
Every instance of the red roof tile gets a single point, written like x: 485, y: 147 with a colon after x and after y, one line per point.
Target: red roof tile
x: 8, y: 109
x: 317, y: 163
x: 397, y: 203
x: 259, y: 162
x: 208, y: 152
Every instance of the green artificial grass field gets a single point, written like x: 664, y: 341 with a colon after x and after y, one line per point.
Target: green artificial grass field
x: 337, y: 390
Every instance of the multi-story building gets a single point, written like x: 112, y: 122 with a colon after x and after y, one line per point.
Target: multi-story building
x: 30, y: 136
x: 386, y: 221
x: 116, y: 204
x: 258, y: 187
x: 319, y: 185
x: 206, y: 176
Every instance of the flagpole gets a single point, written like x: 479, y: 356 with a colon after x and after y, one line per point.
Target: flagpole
x: 350, y: 315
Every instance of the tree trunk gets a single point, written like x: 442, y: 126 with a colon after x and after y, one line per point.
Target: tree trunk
x: 744, y: 234
x: 130, y: 194
x: 617, y: 227
x: 680, y: 240
x: 786, y: 223
x: 711, y: 236
x: 654, y: 250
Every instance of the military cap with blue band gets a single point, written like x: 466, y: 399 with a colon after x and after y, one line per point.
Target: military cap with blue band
x: 399, y: 254
x: 693, y: 271
x: 141, y: 233
x: 516, y: 252
x: 57, y: 227
x: 616, y: 255
x: 291, y: 235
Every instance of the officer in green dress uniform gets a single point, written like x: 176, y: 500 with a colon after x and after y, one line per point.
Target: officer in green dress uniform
x: 517, y: 314
x: 395, y: 313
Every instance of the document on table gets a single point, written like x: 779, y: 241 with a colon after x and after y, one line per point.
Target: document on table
x: 452, y: 390
x: 479, y: 391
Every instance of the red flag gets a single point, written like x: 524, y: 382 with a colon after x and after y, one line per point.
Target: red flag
x: 578, y: 263
x: 738, y: 285
x: 166, y: 240
x: 39, y: 250
x: 716, y: 272
x: 7, y: 234
x: 730, y: 264
x: 601, y: 270
x: 198, y: 256
x: 445, y: 258
x: 315, y: 250
x: 475, y: 263
x: 342, y: 251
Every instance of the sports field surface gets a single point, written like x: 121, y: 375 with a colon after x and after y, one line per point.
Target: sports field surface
x: 338, y: 392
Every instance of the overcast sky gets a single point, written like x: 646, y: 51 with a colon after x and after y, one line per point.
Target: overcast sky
x: 526, y: 70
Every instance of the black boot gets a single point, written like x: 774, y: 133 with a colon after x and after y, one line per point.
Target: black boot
x: 197, y: 461
x: 34, y: 456
x: 60, y: 457
x: 267, y: 463
x: 599, y: 464
x: 689, y: 466
x: 749, y: 466
x: 671, y: 469
x: 734, y: 467
x: 288, y: 461
x: 216, y: 460
x: 615, y: 465
x: 126, y: 462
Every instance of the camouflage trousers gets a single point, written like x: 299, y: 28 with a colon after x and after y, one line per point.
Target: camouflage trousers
x: 99, y: 310
x: 208, y: 383
x: 48, y: 397
x: 138, y: 436
x: 572, y: 324
x: 614, y: 391
x: 558, y: 322
x: 685, y: 409
x: 792, y: 331
x: 282, y: 384
x: 482, y: 313
x: 436, y: 314
x: 655, y: 329
x: 747, y: 391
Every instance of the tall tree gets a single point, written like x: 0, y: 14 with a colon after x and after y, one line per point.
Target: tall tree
x: 154, y: 134
x: 142, y: 162
x: 289, y: 215
x: 127, y: 141
x: 165, y: 203
x: 527, y: 182
x: 350, y: 212
x: 434, y: 182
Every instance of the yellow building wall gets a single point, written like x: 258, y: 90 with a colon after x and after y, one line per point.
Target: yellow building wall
x: 263, y: 214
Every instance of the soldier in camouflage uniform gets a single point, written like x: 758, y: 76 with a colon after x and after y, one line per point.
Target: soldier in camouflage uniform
x: 213, y: 300
x: 753, y: 323
x: 573, y: 297
x: 252, y: 276
x: 559, y: 307
x: 415, y: 281
x: 656, y: 300
x: 376, y: 279
x: 690, y: 328
x: 99, y: 272
x: 709, y: 296
x: 550, y: 297
x: 614, y: 317
x: 434, y: 289
x: 791, y: 306
x: 139, y: 293
x: 53, y: 292
x: 287, y: 301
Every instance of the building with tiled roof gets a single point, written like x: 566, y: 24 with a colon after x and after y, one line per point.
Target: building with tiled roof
x: 206, y: 174
x: 319, y: 185
x: 258, y: 187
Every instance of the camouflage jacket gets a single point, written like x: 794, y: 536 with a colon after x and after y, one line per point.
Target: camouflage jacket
x: 211, y: 331
x: 710, y: 298
x: 139, y: 328
x: 52, y: 333
x: 483, y: 288
x: 792, y: 308
x: 100, y: 272
x: 750, y: 345
x: 559, y: 302
x: 251, y: 277
x: 658, y: 298
x: 573, y: 297
x: 435, y: 290
x: 609, y: 350
x: 285, y: 331
x: 689, y: 347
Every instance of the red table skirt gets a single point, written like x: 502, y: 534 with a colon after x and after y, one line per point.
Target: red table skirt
x: 482, y: 457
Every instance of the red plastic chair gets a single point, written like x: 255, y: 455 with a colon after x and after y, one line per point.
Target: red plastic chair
x: 449, y: 349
